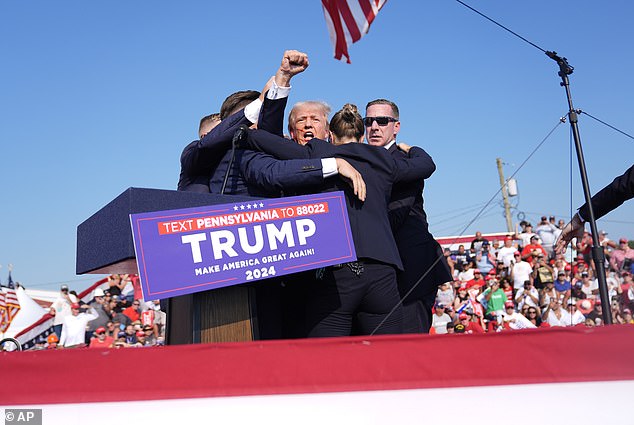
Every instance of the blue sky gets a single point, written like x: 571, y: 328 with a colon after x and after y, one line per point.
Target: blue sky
x: 99, y: 97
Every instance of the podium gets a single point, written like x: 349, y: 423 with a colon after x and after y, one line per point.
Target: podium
x: 105, y: 246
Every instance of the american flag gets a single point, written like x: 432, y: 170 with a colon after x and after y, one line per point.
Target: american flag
x: 9, y: 305
x: 4, y: 318
x: 348, y: 21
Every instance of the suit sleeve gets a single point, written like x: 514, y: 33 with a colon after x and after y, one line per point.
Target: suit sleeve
x: 611, y: 196
x: 276, y: 146
x: 201, y: 157
x: 272, y: 175
x: 272, y: 116
x: 418, y: 165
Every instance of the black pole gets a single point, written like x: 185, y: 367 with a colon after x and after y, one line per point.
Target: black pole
x: 597, y: 252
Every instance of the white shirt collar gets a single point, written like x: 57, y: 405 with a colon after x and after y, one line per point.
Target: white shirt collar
x: 389, y: 145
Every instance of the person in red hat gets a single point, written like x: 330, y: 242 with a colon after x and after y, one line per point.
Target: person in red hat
x: 140, y: 339
x: 74, y: 326
x: 514, y: 320
x: 520, y: 270
x: 470, y: 326
x: 505, y: 254
x: 477, y: 281
x: 101, y: 340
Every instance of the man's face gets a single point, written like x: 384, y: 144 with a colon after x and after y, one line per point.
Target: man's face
x: 309, y: 122
x: 381, y: 135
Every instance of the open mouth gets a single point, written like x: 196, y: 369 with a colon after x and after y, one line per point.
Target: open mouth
x: 308, y: 135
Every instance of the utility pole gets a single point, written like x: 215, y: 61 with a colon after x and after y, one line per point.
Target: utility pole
x: 505, y: 196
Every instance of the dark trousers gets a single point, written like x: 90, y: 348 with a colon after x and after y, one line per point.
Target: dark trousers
x: 341, y: 294
x: 424, y: 274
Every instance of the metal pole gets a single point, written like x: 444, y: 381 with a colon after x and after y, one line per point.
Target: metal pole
x: 597, y: 252
x: 505, y: 196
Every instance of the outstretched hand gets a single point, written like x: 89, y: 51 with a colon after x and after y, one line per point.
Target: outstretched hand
x: 353, y: 177
x: 574, y: 229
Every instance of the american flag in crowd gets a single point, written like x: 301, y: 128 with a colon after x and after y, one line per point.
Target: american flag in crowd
x: 348, y: 21
x: 9, y: 304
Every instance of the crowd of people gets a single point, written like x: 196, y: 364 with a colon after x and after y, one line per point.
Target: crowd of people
x: 522, y: 282
x: 112, y: 318
x: 517, y: 283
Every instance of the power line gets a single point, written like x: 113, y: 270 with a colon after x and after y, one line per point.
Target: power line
x: 478, y: 215
x: 502, y: 26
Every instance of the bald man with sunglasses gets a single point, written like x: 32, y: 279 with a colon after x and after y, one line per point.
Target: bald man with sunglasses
x: 417, y: 247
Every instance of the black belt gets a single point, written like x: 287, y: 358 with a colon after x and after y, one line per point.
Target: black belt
x: 355, y: 266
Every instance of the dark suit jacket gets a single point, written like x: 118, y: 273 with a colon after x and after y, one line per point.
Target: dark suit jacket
x: 201, y: 157
x: 261, y: 175
x: 611, y: 196
x: 191, y: 182
x: 416, y: 245
x: 369, y: 222
x: 204, y: 162
x: 257, y: 174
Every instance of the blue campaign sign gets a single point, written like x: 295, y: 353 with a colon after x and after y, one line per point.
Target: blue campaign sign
x: 196, y: 249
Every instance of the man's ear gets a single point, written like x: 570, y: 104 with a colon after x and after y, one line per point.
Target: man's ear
x: 397, y: 128
x: 362, y: 138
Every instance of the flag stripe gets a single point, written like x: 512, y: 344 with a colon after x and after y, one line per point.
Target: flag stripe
x: 337, y: 36
x: 351, y: 23
x: 348, y: 21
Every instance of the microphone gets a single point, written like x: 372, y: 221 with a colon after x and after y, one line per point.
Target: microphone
x: 239, y: 135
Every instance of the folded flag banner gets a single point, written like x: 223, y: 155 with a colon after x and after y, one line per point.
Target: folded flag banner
x: 348, y: 21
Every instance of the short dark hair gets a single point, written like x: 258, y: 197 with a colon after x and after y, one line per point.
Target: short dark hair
x: 208, y: 118
x: 236, y: 101
x: 384, y: 102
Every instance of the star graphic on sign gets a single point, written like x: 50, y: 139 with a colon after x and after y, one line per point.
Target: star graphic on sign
x: 235, y: 208
x: 255, y: 205
x: 248, y: 206
x: 261, y: 205
x: 241, y: 207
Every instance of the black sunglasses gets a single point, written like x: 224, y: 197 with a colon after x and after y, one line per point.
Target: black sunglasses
x: 382, y: 121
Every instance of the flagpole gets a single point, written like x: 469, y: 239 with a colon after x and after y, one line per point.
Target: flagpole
x: 597, y: 252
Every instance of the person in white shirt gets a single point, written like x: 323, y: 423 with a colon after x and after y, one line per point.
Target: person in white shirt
x: 505, y: 254
x: 577, y: 316
x: 514, y: 319
x: 520, y: 271
x: 546, y: 232
x: 74, y: 326
x: 557, y: 316
x: 440, y: 319
x: 528, y: 295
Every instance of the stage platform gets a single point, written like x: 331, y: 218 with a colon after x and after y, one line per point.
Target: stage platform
x: 560, y: 375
